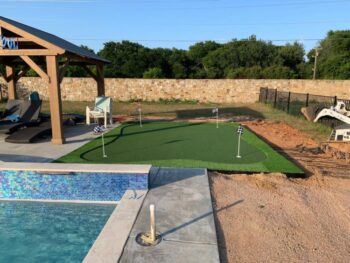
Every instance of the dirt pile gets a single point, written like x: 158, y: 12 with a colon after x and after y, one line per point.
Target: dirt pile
x: 273, y: 218
x: 270, y: 218
x: 298, y: 147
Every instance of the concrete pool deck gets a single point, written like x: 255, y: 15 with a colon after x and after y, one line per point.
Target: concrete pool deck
x: 184, y: 215
x: 45, y: 151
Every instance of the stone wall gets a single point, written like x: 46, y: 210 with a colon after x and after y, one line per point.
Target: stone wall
x: 208, y: 90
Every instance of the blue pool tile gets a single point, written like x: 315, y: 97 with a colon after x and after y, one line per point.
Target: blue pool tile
x: 75, y: 186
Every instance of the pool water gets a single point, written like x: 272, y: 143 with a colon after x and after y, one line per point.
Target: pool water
x: 49, y: 232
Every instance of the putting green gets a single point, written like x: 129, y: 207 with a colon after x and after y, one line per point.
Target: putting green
x: 180, y: 144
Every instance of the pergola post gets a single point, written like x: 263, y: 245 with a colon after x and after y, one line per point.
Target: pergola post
x: 55, y: 100
x: 11, y: 82
x: 100, y: 80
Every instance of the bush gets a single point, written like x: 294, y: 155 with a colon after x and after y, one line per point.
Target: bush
x: 153, y: 73
x: 277, y: 72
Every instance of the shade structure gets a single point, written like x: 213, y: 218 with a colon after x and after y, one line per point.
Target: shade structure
x: 23, y: 47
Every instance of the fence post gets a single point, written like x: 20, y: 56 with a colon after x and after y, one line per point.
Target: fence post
x: 275, y: 100
x: 307, y: 100
x: 288, y: 104
x: 266, y: 94
x: 335, y: 101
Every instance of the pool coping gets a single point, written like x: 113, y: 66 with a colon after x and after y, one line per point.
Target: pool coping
x: 109, y: 245
x: 76, y: 167
x: 90, y: 202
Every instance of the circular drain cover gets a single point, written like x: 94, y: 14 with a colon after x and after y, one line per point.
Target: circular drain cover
x: 143, y: 239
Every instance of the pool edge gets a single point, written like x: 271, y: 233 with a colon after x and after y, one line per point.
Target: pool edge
x: 109, y: 245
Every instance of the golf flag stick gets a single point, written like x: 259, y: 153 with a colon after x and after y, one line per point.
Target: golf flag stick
x: 216, y: 110
x: 139, y: 109
x: 239, y: 146
x: 103, y: 146
x: 240, y: 133
x: 140, y: 116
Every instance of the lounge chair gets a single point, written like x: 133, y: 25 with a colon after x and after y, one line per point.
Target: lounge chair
x: 102, y: 109
x: 28, y: 116
x: 30, y: 134
x: 12, y: 107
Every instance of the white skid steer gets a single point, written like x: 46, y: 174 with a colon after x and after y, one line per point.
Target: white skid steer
x: 339, y: 112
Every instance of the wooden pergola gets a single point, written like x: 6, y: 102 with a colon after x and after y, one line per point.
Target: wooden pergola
x: 23, y: 47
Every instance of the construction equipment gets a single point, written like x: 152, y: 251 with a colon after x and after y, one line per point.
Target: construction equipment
x: 338, y: 112
x: 336, y: 116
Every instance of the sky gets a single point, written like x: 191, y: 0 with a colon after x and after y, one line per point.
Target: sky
x: 181, y: 23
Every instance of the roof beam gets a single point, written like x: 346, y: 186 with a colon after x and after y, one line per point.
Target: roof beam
x: 22, y: 39
x: 35, y: 39
x: 0, y: 35
x: 22, y: 73
x: 84, y: 59
x: 93, y: 75
x: 36, y: 68
x: 63, y: 70
x: 3, y: 74
x: 26, y: 52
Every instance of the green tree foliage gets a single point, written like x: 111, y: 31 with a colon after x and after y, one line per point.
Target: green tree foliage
x: 237, y: 59
x: 78, y: 71
x: 128, y: 60
x: 153, y: 73
x: 291, y: 55
x: 248, y: 53
x: 334, y: 56
x: 196, y: 54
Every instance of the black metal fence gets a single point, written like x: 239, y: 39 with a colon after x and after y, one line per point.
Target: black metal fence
x: 292, y: 102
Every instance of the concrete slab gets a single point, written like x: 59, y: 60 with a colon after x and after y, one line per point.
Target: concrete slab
x: 45, y: 151
x: 184, y: 218
x: 64, y: 168
x: 109, y: 245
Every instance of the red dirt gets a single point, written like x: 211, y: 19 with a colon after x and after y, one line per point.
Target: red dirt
x: 300, y: 148
x: 272, y: 218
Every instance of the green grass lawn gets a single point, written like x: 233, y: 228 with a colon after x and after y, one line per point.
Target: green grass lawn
x: 183, y: 144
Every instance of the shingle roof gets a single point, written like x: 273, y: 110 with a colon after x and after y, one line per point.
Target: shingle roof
x: 54, y: 40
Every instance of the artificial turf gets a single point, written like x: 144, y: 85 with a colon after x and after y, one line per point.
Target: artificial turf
x: 182, y: 144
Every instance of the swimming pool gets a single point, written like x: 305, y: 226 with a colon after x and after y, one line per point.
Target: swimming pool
x: 49, y: 232
x: 38, y: 225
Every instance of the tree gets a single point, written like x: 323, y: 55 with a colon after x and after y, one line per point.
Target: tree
x: 196, y: 54
x: 245, y: 53
x: 244, y: 58
x: 180, y: 64
x: 278, y: 72
x: 128, y: 60
x: 291, y: 55
x: 334, y: 56
x: 153, y: 73
x: 78, y: 71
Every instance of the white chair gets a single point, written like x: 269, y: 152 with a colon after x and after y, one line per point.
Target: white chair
x: 102, y: 109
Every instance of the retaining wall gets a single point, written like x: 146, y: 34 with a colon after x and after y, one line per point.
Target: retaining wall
x: 207, y: 90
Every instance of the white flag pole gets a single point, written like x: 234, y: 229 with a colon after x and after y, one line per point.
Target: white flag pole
x: 103, y: 146
x: 140, y: 116
x: 216, y: 110
x: 217, y: 119
x: 239, y: 146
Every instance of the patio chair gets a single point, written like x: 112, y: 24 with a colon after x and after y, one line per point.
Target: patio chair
x: 30, y: 134
x: 28, y: 116
x: 13, y: 107
x: 102, y: 110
